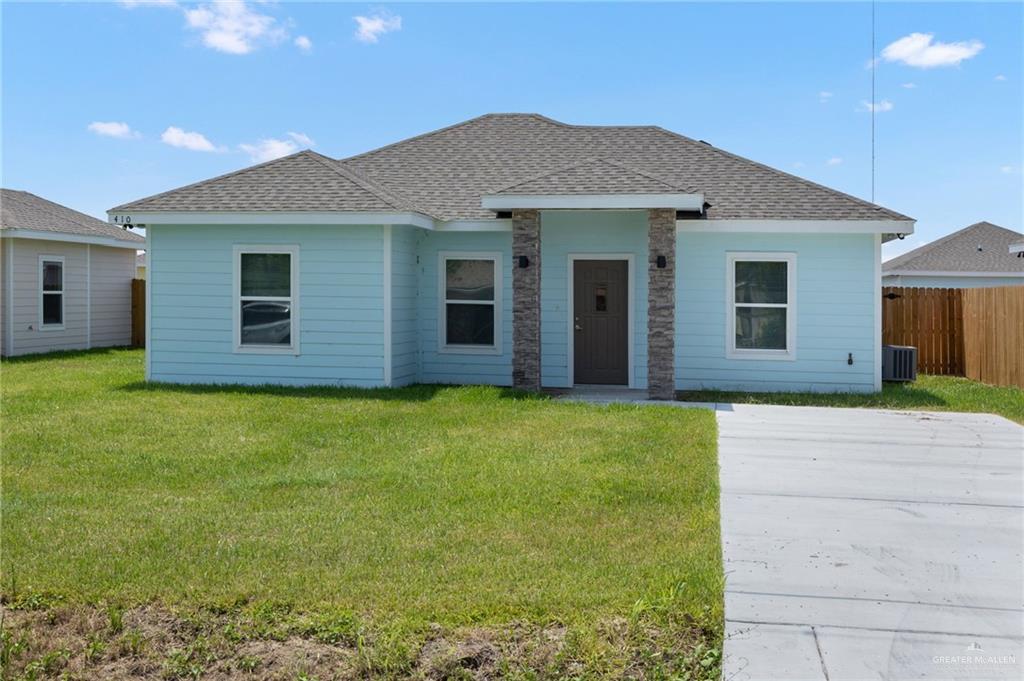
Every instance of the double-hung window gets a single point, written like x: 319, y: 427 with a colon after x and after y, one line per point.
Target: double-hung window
x: 267, y: 299
x: 761, y: 314
x: 51, y: 291
x: 470, y: 302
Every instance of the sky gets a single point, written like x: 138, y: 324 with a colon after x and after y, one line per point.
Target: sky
x: 103, y: 103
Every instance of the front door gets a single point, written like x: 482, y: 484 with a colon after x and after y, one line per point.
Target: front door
x: 601, y: 322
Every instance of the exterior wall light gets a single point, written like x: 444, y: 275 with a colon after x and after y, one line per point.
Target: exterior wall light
x: 662, y: 262
x: 524, y: 262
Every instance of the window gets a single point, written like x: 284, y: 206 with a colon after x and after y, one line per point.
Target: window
x: 761, y: 299
x: 267, y: 299
x: 470, y: 296
x: 51, y: 292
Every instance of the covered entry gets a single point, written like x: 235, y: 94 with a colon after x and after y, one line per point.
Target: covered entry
x: 600, y: 319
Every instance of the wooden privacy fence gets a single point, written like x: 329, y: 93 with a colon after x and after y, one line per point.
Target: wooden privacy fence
x: 139, y: 312
x: 930, y: 319
x: 994, y: 335
x: 975, y: 332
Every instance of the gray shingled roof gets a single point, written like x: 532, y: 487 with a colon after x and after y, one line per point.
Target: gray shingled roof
x: 444, y: 174
x: 302, y: 182
x: 982, y: 247
x: 593, y: 176
x: 22, y: 210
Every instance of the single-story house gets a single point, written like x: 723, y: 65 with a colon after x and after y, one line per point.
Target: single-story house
x: 978, y: 256
x: 65, y: 277
x: 516, y: 250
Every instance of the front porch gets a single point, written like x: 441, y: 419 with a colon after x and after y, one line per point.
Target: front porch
x: 593, y: 299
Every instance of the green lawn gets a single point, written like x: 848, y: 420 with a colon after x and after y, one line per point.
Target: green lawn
x: 468, y: 507
x: 927, y: 393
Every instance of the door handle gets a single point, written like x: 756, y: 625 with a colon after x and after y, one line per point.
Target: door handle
x: 577, y: 325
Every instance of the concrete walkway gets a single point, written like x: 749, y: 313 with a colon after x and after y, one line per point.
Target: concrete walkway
x: 867, y: 544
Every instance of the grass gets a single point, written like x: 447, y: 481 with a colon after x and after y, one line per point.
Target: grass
x: 389, y: 509
x: 927, y: 393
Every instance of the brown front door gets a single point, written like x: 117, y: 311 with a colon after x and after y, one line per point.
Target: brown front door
x: 600, y: 322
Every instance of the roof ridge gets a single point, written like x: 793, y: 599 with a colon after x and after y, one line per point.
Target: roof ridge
x: 53, y: 209
x: 422, y: 135
x: 780, y: 173
x: 383, y: 193
x: 926, y: 248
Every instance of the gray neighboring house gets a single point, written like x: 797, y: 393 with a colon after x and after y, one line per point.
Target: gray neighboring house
x: 981, y: 255
x: 65, y: 277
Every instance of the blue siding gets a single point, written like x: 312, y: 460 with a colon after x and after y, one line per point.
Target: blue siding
x: 835, y: 313
x: 598, y: 232
x: 950, y: 282
x: 340, y: 308
x: 456, y: 367
x: 405, y: 349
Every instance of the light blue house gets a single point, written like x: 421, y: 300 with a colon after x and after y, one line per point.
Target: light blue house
x: 515, y: 250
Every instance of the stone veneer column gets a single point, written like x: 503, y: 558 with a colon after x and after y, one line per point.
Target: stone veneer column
x: 526, y: 300
x: 661, y: 304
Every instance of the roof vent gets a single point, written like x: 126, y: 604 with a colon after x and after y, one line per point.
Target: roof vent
x: 980, y: 249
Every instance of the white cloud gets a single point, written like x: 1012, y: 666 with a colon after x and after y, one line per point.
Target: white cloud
x: 304, y: 43
x: 231, y: 26
x: 1000, y: 77
x: 193, y: 141
x: 1006, y: 170
x: 302, y: 138
x: 919, y: 50
x: 370, y: 29
x: 909, y: 86
x: 269, y: 149
x: 116, y: 129
x: 132, y: 4
x: 834, y: 161
x: 824, y: 96
x: 878, y: 107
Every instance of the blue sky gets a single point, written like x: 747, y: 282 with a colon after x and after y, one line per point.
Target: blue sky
x: 103, y: 103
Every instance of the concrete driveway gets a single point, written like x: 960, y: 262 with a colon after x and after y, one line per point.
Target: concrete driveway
x: 866, y: 544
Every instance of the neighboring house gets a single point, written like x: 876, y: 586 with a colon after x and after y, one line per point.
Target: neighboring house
x: 978, y: 256
x: 140, y: 266
x: 512, y: 249
x: 66, y: 277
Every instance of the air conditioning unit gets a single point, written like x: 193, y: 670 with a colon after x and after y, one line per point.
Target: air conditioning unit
x: 899, y: 363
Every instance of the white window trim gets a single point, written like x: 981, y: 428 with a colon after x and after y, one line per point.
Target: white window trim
x: 731, y: 351
x: 62, y: 293
x: 442, y: 311
x: 236, y: 300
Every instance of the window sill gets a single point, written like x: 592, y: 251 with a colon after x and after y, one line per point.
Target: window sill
x: 50, y: 327
x: 266, y: 350
x: 469, y: 350
x: 770, y: 355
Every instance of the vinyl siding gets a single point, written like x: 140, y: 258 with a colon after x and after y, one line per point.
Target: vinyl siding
x: 835, y: 308
x: 27, y: 335
x: 580, y: 232
x: 110, y: 282
x: 454, y: 366
x: 405, y: 346
x: 341, y: 310
x: 4, y: 305
x: 949, y: 282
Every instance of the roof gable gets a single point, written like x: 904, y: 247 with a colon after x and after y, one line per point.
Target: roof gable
x: 25, y: 211
x: 593, y: 176
x: 981, y: 247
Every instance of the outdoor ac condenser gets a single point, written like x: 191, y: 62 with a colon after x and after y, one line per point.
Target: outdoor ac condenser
x: 899, y: 363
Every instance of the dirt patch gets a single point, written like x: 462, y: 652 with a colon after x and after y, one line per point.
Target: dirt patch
x: 153, y: 642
